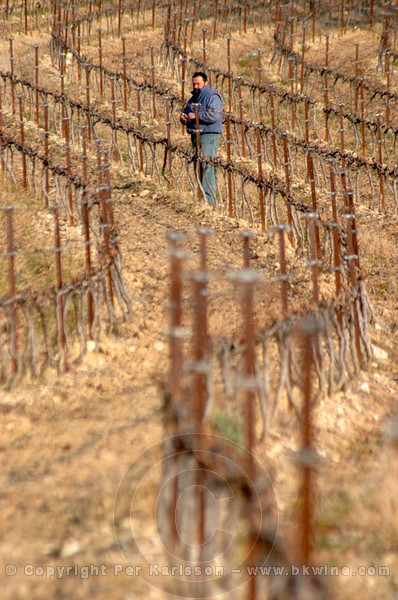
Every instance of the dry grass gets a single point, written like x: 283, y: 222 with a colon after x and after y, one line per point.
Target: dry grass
x: 34, y: 242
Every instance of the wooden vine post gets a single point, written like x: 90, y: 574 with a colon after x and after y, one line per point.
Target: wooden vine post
x: 260, y: 177
x: 12, y: 288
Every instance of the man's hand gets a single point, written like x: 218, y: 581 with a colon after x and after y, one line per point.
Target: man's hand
x: 184, y: 118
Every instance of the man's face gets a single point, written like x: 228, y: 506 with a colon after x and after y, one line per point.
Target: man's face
x: 198, y: 83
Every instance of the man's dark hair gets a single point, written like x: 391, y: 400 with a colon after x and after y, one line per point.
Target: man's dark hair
x: 200, y: 74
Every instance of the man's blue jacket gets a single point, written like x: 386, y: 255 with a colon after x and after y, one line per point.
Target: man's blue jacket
x: 210, y: 111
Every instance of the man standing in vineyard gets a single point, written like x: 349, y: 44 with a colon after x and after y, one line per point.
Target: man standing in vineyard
x: 210, y: 127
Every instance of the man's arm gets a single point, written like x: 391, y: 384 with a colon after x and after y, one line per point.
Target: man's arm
x: 212, y: 112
